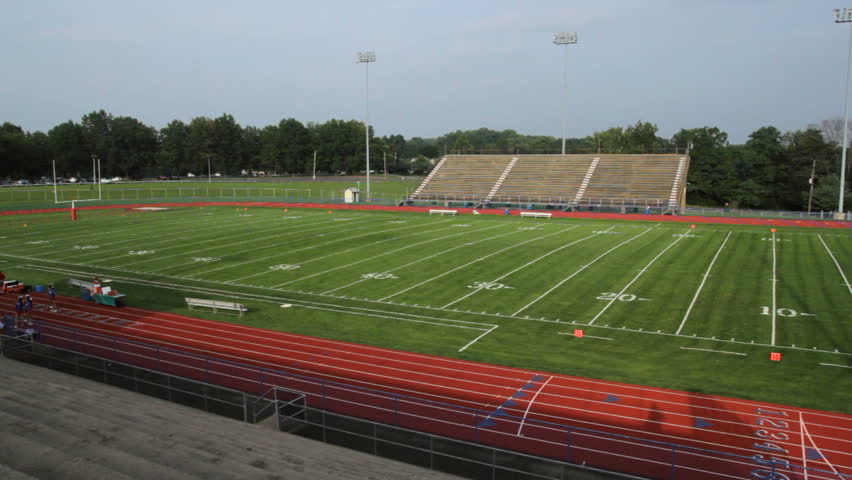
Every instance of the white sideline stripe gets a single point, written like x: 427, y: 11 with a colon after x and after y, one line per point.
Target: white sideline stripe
x: 254, y: 260
x: 569, y: 277
x: 714, y: 351
x: 474, y: 261
x: 845, y: 281
x: 530, y: 404
x: 638, y: 388
x: 343, y: 239
x: 478, y: 289
x: 425, y: 258
x: 703, y: 280
x: 584, y: 336
x: 834, y: 365
x: 644, y: 269
x: 774, y: 284
x: 477, y: 338
x: 467, y: 232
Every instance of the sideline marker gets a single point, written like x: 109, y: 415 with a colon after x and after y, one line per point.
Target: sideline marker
x: 775, y: 356
x: 772, y: 230
x: 578, y: 333
x: 692, y: 226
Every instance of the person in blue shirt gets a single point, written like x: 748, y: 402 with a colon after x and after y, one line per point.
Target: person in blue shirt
x: 28, y: 309
x: 51, y: 294
x: 19, y: 310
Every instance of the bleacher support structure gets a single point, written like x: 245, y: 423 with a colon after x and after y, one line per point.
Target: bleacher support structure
x: 654, y: 182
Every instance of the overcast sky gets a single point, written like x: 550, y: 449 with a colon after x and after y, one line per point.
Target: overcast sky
x: 441, y: 65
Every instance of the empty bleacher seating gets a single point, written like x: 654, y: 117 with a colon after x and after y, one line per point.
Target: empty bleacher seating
x: 609, y: 180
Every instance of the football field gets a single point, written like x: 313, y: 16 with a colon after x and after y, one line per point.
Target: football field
x: 698, y: 309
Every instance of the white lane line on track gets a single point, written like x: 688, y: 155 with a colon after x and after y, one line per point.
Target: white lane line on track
x: 477, y: 338
x: 530, y: 404
x: 843, y: 275
x: 561, y: 417
x: 478, y: 289
x: 569, y: 277
x: 804, y: 455
x: 426, y: 258
x: 644, y: 269
x: 703, y: 280
x: 815, y: 447
x: 430, y: 240
x: 474, y: 261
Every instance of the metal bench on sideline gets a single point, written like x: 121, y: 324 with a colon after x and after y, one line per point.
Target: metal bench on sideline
x: 215, y: 305
x: 537, y: 214
x: 441, y: 211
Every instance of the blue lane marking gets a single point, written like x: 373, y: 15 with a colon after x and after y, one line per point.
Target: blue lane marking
x: 498, y: 412
x: 612, y: 399
x: 701, y: 423
x: 813, y: 454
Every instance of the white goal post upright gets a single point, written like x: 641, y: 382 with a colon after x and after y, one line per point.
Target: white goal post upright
x: 96, y: 167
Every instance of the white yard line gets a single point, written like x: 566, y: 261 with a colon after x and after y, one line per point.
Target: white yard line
x: 834, y: 365
x: 703, y: 280
x: 342, y: 239
x: 266, y: 247
x: 299, y: 228
x: 569, y: 277
x: 714, y: 351
x: 774, y: 288
x: 425, y: 258
x: 377, y: 256
x: 477, y: 338
x: 474, y: 261
x: 478, y: 289
x: 584, y: 336
x: 845, y: 280
x: 609, y: 304
x: 529, y: 405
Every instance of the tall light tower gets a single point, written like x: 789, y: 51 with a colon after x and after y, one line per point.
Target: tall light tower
x: 367, y: 58
x: 844, y: 15
x: 564, y: 38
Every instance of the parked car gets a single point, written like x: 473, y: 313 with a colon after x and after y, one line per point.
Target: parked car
x: 22, y: 181
x: 190, y: 175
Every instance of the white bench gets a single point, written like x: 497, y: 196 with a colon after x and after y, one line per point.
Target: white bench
x: 441, y: 211
x: 81, y: 283
x: 215, y: 305
x: 536, y: 214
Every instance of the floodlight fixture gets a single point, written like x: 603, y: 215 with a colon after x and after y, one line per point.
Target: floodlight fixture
x: 564, y: 38
x: 367, y: 57
x: 844, y: 15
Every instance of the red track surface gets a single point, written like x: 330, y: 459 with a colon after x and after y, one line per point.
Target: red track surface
x: 493, y: 211
x: 533, y: 421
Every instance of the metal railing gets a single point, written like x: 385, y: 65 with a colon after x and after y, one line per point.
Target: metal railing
x: 569, y: 444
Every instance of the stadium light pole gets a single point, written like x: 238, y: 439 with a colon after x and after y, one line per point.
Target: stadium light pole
x: 844, y: 15
x: 564, y: 38
x: 367, y: 58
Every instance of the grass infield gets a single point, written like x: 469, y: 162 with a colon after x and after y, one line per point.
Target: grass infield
x: 659, y: 304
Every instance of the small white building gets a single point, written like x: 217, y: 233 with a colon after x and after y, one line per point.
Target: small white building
x: 351, y: 195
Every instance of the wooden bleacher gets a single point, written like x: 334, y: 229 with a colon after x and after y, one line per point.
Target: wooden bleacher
x: 610, y: 180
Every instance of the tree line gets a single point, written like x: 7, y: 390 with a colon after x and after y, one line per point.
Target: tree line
x: 772, y: 170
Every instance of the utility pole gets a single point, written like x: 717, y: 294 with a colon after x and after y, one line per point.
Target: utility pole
x: 811, y: 181
x: 315, y: 165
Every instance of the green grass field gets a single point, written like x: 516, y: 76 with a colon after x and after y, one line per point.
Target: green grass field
x: 387, y: 190
x: 660, y: 304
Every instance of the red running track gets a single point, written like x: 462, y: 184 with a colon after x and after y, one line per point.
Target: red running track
x: 511, y: 408
x: 775, y: 222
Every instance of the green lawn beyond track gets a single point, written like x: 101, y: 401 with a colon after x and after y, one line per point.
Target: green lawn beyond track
x: 660, y: 304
